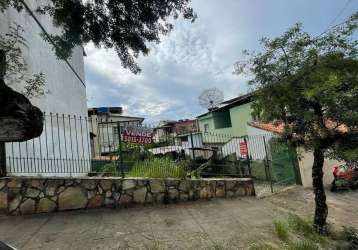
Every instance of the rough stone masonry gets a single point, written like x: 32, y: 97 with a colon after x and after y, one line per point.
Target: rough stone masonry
x: 43, y: 195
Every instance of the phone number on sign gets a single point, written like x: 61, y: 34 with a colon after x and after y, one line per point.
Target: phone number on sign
x: 137, y: 139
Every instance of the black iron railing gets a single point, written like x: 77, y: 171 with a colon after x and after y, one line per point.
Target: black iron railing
x: 75, y: 145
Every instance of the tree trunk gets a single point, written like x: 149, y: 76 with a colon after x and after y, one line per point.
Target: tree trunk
x: 321, y: 211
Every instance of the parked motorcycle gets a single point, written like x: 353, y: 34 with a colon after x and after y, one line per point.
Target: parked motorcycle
x: 345, y: 176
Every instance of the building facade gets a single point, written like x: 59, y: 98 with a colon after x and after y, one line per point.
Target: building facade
x: 104, y: 130
x: 64, y: 102
x: 229, y: 119
x: 168, y: 131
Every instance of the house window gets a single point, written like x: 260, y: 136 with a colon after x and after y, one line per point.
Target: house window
x: 222, y: 119
x: 206, y: 128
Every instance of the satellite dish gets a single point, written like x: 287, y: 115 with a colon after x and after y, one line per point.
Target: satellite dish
x: 211, y: 98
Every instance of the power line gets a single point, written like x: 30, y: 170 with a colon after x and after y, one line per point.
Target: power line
x: 338, y: 15
x: 51, y: 40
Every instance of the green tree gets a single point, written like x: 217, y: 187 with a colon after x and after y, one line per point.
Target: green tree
x: 127, y: 26
x: 124, y: 25
x: 16, y: 67
x: 311, y: 85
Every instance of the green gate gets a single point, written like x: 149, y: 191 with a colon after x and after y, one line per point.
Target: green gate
x: 278, y: 169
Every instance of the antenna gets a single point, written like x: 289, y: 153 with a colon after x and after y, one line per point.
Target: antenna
x: 211, y: 98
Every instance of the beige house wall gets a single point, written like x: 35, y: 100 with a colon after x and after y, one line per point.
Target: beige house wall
x: 306, y: 162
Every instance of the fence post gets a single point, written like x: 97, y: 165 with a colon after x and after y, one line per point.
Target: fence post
x: 120, y: 149
x: 248, y: 157
x: 192, y: 145
x: 2, y: 160
x: 267, y: 165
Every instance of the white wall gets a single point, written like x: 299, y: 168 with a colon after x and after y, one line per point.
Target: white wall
x: 306, y: 162
x: 66, y: 94
x: 195, y: 140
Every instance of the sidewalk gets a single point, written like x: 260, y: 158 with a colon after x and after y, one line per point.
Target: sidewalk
x: 197, y: 225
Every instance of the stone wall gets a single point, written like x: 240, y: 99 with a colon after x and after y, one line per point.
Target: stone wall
x: 42, y: 195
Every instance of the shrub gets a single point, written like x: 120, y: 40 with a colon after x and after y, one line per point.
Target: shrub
x: 135, y: 152
x: 110, y: 169
x: 157, y: 168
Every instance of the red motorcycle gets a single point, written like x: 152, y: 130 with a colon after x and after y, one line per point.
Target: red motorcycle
x: 345, y: 176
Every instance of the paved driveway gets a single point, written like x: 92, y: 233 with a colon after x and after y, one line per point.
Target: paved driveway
x: 197, y: 225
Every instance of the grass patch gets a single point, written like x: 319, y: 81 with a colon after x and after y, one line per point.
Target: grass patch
x: 302, y: 245
x: 300, y: 226
x: 298, y: 234
x: 157, y: 168
x: 281, y: 230
x: 304, y: 228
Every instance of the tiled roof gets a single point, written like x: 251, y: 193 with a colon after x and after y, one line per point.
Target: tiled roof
x: 279, y: 127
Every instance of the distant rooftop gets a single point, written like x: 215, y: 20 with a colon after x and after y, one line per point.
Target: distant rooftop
x: 111, y: 111
x: 105, y: 110
x: 243, y: 98
x: 237, y: 101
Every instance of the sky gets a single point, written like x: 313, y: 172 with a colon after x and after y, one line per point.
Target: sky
x: 201, y: 55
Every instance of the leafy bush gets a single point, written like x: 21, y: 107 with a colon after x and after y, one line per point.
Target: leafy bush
x: 157, y: 168
x: 110, y: 169
x: 135, y: 152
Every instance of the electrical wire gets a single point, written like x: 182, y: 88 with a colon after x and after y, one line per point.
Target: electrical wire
x: 50, y: 39
x: 336, y: 18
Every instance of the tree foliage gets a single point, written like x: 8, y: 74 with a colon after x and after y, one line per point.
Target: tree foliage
x: 16, y: 67
x: 310, y: 84
x: 124, y: 25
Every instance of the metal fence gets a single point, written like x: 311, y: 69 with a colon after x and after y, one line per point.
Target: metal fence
x: 77, y: 146
x: 62, y: 148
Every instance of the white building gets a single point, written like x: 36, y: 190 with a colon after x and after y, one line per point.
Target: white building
x: 62, y: 149
x: 103, y: 128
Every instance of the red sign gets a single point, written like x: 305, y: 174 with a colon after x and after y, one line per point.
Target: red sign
x: 243, y: 149
x: 137, y: 135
